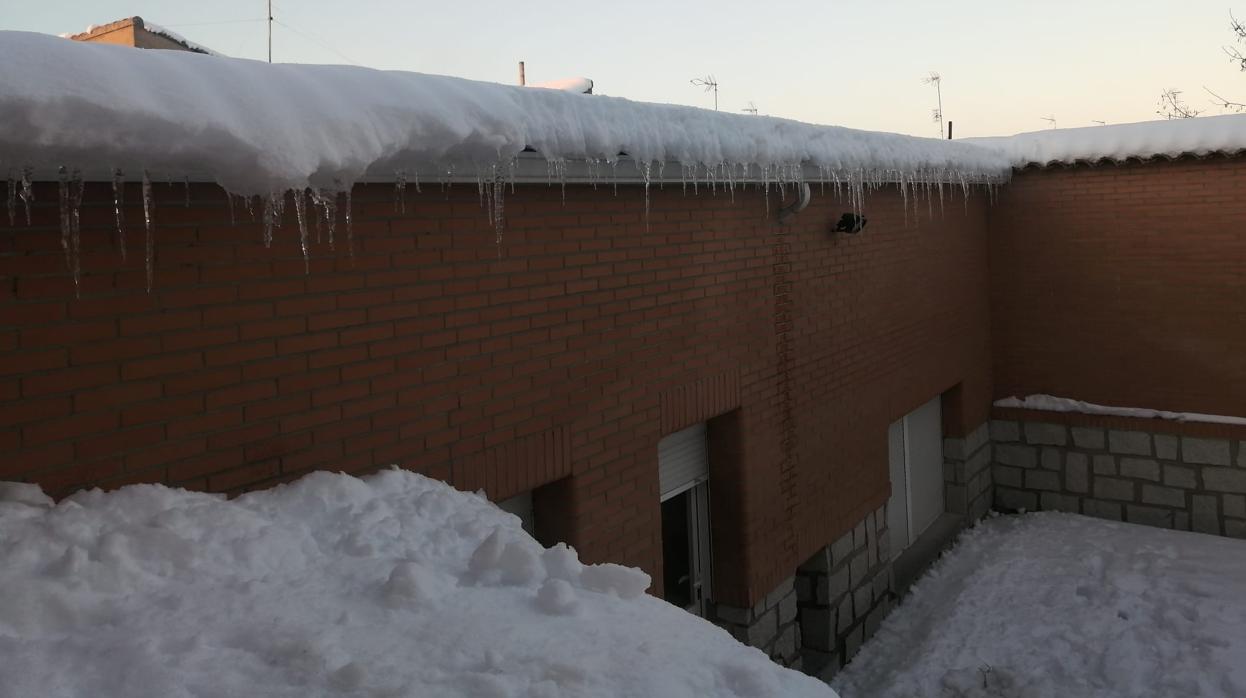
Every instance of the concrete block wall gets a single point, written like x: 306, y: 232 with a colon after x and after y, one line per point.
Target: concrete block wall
x: 1157, y: 478
x: 844, y: 591
x: 967, y: 473
x: 770, y: 625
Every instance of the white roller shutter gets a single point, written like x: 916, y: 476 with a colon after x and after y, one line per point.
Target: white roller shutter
x: 683, y: 460
x: 521, y: 505
x: 915, y: 443
x: 925, y: 452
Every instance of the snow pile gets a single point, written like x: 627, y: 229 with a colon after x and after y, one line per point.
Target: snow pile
x: 390, y: 585
x: 257, y: 128
x: 1050, y: 403
x: 1063, y: 605
x: 1171, y: 138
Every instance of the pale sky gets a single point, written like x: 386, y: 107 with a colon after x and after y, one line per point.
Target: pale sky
x: 1005, y: 64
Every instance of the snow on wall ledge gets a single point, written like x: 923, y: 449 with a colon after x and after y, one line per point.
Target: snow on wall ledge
x: 1051, y: 403
x: 389, y: 585
x: 258, y: 128
x: 1172, y: 138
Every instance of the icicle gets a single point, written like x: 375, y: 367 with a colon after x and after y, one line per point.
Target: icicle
x: 186, y: 183
x: 300, y: 210
x: 12, y: 200
x: 644, y: 172
x: 230, y: 199
x: 70, y: 203
x: 148, y: 209
x: 562, y: 180
x: 28, y: 191
x: 63, y: 195
x: 327, y: 201
x: 400, y: 191
x: 499, y: 194
x: 118, y: 194
x: 269, y: 215
x: 315, y: 217
x: 350, y: 231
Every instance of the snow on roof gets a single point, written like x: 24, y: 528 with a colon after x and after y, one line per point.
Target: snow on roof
x: 389, y: 585
x: 577, y: 85
x: 174, y: 36
x: 1171, y: 138
x: 139, y: 24
x: 257, y: 128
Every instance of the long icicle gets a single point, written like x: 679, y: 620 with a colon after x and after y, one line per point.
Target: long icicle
x: 148, y: 210
x: 118, y: 195
x: 28, y: 191
x: 350, y: 229
x: 300, y: 209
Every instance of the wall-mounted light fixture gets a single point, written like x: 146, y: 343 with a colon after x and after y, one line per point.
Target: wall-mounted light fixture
x: 851, y: 223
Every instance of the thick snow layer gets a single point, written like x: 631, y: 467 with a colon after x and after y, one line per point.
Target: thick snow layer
x: 1060, y: 605
x: 391, y: 585
x: 1170, y: 138
x: 258, y: 128
x: 1051, y: 403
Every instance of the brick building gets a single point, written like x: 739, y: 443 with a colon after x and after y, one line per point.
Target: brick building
x: 780, y: 422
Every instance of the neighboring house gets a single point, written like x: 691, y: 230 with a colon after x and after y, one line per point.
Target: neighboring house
x: 134, y: 32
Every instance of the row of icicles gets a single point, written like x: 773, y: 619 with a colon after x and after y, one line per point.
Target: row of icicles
x: 491, y: 182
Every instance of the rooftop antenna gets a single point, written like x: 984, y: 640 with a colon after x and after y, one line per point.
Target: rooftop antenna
x: 1101, y: 123
x: 270, y: 31
x: 750, y: 109
x: 936, y: 80
x: 1049, y: 119
x: 709, y: 83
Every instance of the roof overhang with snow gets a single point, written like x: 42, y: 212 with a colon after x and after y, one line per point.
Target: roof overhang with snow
x: 1149, y: 140
x: 257, y: 128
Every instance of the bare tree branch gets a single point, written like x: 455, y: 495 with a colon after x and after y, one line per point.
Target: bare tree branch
x: 1171, y: 106
x: 1223, y: 103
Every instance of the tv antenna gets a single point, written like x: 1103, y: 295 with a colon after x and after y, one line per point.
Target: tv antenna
x: 1049, y: 119
x: 709, y: 83
x: 750, y: 109
x: 936, y: 80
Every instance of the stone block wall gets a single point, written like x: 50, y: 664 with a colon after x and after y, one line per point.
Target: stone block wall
x: 770, y: 625
x: 967, y: 474
x: 1190, y: 483
x: 844, y: 591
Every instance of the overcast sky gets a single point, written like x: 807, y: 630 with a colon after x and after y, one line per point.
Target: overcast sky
x: 1005, y: 64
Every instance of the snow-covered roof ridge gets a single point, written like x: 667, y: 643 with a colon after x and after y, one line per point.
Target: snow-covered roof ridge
x: 1173, y: 138
x: 257, y: 128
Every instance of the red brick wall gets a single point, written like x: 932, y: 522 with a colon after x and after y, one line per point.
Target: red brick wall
x: 560, y: 356
x: 1123, y: 285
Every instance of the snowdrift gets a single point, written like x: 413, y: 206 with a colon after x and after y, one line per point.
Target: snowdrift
x: 390, y: 585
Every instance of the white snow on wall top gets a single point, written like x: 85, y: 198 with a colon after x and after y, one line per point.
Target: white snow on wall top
x: 1170, y: 138
x: 257, y: 127
x: 1051, y: 403
x: 174, y: 36
x: 576, y: 85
